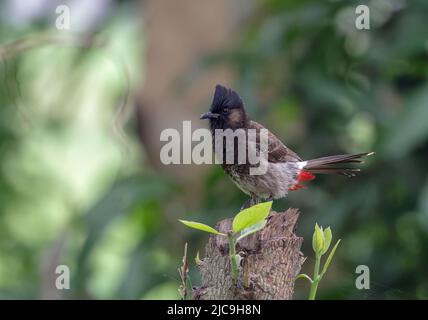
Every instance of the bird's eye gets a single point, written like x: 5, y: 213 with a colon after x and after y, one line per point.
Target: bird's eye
x: 225, y: 111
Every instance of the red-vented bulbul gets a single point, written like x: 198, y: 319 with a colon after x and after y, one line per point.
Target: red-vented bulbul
x: 285, y: 169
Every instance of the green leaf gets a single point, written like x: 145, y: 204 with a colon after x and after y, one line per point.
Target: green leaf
x: 330, y: 257
x: 304, y: 276
x: 251, y: 229
x: 327, y: 240
x: 318, y: 239
x: 200, y: 226
x: 250, y: 216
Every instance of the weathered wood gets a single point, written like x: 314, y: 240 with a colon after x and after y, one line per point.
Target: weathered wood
x: 271, y: 261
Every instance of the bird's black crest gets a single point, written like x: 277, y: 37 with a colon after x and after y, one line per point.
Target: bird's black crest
x: 225, y: 98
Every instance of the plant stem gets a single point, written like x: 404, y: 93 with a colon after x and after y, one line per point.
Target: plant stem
x: 232, y: 257
x: 316, y: 278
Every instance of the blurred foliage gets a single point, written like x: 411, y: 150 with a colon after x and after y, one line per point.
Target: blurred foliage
x: 69, y: 174
x: 68, y: 171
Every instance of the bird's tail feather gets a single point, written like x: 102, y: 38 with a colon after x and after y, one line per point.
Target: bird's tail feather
x: 332, y: 164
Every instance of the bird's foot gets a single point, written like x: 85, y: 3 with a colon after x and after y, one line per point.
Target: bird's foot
x: 253, y: 201
x: 247, y: 204
x: 250, y: 202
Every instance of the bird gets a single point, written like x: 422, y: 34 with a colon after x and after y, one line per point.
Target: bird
x: 285, y: 170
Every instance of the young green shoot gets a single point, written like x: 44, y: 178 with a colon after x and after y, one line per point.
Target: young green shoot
x: 246, y: 222
x: 321, y: 241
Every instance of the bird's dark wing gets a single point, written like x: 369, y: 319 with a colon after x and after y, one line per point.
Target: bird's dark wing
x: 278, y: 152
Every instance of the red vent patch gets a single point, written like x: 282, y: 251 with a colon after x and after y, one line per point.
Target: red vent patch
x: 305, y: 176
x: 302, y: 177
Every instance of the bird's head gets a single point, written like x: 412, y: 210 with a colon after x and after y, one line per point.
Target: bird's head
x: 227, y: 110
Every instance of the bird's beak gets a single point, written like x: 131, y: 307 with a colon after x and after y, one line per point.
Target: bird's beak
x: 209, y: 115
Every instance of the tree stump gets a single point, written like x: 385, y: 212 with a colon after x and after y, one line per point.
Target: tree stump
x: 271, y: 260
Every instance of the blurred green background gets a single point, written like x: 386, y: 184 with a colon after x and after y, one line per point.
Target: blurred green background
x: 81, y: 111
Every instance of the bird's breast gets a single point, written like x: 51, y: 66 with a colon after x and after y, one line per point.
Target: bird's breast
x: 275, y: 183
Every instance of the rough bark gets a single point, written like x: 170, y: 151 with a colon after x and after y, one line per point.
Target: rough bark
x: 271, y: 261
